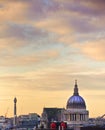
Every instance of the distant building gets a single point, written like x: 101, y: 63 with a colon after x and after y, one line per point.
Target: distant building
x: 51, y: 114
x: 76, y: 113
x: 28, y: 121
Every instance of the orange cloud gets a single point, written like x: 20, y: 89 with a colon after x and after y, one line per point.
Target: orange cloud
x: 10, y: 59
x: 12, y: 11
x: 94, y: 49
x: 54, y: 25
x: 61, y: 28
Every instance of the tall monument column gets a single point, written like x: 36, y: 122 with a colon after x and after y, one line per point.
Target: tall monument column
x: 15, y: 111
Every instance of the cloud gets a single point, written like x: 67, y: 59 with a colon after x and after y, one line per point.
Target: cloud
x: 24, y: 10
x: 40, y: 24
x: 94, y: 7
x: 22, y: 32
x: 58, y: 78
x: 59, y: 27
x: 38, y: 19
x: 54, y: 25
x: 94, y: 49
x: 12, y: 11
x: 30, y: 59
x: 45, y: 45
x: 25, y: 23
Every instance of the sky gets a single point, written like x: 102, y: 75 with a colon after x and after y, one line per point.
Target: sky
x: 45, y: 45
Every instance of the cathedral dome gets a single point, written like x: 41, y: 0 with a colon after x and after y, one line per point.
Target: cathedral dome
x: 76, y: 101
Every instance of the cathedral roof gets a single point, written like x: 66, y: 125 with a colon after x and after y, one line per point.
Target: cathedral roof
x: 76, y: 101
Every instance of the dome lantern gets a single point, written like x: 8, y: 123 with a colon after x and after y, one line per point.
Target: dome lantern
x: 76, y: 89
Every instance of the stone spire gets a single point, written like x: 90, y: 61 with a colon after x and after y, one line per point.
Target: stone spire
x: 76, y: 89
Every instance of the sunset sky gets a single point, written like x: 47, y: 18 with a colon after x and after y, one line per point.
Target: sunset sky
x: 44, y: 46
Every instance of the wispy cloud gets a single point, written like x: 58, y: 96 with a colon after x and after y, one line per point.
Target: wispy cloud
x: 94, y: 49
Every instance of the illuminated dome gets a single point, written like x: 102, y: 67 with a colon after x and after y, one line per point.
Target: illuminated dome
x: 76, y: 101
